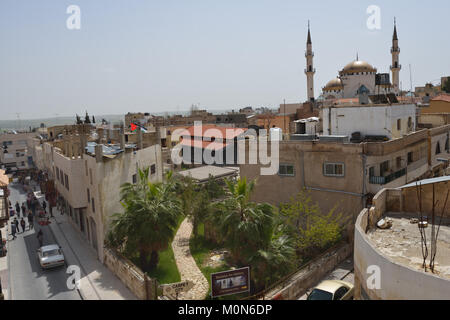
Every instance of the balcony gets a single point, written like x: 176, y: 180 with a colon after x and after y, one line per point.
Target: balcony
x: 387, y: 179
x: 312, y: 71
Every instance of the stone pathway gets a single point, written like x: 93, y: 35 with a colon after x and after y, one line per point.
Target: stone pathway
x: 186, y: 264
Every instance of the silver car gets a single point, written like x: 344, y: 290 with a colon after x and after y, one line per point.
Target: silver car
x: 50, y: 256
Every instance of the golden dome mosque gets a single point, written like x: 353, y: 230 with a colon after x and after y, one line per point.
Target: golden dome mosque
x: 356, y: 77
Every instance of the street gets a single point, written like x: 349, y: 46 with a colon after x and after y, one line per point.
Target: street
x: 344, y: 272
x: 28, y: 281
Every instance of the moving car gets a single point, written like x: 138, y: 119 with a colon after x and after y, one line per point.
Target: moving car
x: 50, y: 256
x: 332, y: 290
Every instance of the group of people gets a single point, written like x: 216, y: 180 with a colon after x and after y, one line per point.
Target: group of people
x: 16, y: 224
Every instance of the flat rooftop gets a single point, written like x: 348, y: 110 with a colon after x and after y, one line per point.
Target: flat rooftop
x: 202, y: 174
x: 402, y: 243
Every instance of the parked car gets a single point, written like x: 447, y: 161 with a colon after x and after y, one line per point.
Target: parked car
x: 332, y: 290
x: 50, y: 256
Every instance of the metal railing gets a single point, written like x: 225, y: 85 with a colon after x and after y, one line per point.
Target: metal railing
x: 387, y: 179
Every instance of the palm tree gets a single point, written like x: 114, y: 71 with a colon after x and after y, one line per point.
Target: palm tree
x: 195, y: 201
x: 244, y: 226
x: 149, y: 220
x: 276, y: 259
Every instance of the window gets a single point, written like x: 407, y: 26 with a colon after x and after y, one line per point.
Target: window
x: 399, y: 124
x: 340, y: 293
x: 286, y: 170
x: 372, y: 172
x: 57, y: 173
x: 384, y: 167
x: 134, y: 178
x: 410, y: 158
x: 66, y: 178
x: 153, y: 169
x: 90, y: 175
x: 438, y: 148
x: 88, y: 195
x: 93, y: 205
x: 399, y: 162
x: 86, y: 167
x: 409, y: 123
x: 333, y: 169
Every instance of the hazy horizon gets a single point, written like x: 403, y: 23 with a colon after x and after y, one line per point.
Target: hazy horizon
x: 154, y: 56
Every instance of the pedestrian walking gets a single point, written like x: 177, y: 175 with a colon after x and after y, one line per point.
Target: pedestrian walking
x: 16, y: 222
x: 18, y: 208
x: 24, y: 209
x: 30, y: 221
x: 13, y: 230
x: 22, y: 224
x: 44, y: 205
x: 40, y: 237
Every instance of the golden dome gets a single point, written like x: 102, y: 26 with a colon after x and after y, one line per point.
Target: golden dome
x: 358, y: 66
x: 335, y: 84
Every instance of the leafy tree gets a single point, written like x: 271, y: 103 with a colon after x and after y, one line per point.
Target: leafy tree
x: 149, y: 221
x: 446, y: 85
x: 86, y: 118
x: 313, y: 231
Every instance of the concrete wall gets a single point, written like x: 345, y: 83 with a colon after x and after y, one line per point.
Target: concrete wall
x: 437, y: 106
x: 435, y: 119
x: 309, y: 275
x: 308, y: 159
x: 369, y: 120
x: 398, y: 282
x: 411, y: 202
x: 74, y: 168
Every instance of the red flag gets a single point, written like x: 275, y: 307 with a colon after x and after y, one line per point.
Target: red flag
x: 133, y: 127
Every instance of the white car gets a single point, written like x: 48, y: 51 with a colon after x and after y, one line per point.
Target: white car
x: 332, y: 290
x: 50, y: 256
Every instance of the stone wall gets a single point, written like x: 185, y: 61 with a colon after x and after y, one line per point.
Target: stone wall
x: 310, y: 274
x: 140, y: 284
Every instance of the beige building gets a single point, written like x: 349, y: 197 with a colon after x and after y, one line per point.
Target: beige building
x: 14, y: 151
x: 388, y: 262
x: 88, y: 176
x: 348, y: 175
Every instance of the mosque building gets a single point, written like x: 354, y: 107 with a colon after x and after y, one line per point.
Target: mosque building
x: 356, y: 77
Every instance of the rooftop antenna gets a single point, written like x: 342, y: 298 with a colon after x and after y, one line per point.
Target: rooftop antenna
x: 410, y: 80
x: 19, y: 123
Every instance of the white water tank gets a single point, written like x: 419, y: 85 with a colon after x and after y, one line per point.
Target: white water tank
x: 276, y: 134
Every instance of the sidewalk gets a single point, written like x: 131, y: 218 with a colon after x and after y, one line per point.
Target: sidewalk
x: 97, y: 282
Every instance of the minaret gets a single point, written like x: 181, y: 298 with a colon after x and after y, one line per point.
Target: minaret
x: 309, y: 71
x: 395, y: 67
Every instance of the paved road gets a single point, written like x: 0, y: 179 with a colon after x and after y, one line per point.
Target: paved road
x: 344, y: 271
x: 27, y: 280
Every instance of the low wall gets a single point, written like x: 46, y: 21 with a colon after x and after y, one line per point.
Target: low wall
x: 398, y: 282
x: 310, y: 274
x: 140, y: 284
